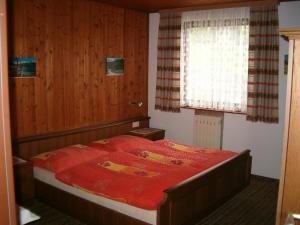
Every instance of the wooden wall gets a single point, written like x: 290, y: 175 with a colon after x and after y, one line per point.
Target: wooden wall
x: 70, y: 39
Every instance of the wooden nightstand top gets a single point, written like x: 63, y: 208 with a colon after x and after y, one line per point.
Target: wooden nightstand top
x: 146, y: 131
x: 20, y: 162
x: 150, y: 133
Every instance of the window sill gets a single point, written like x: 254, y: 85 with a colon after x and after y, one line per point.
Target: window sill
x: 212, y: 110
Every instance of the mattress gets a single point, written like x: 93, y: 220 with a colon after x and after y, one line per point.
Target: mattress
x: 148, y: 216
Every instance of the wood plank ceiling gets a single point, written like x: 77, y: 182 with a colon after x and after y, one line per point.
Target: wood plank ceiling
x: 157, y: 5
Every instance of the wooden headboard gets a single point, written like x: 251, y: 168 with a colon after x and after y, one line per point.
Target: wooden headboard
x: 31, y: 146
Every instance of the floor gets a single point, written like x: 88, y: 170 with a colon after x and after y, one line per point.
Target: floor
x: 255, y: 205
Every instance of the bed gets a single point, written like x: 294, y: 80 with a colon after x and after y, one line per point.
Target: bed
x: 184, y: 203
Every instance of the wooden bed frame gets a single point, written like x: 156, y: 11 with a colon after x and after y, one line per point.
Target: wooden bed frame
x: 184, y: 204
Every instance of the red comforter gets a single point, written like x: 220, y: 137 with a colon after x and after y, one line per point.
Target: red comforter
x: 139, y: 174
x: 126, y: 178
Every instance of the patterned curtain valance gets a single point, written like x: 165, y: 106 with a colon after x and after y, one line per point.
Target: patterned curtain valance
x: 168, y: 63
x: 262, y: 102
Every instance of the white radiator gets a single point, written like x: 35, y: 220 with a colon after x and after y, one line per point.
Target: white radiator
x: 208, y: 131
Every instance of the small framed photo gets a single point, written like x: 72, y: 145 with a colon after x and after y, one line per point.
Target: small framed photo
x: 22, y: 67
x: 114, y: 66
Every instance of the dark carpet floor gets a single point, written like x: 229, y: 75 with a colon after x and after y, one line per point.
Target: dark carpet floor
x: 255, y: 205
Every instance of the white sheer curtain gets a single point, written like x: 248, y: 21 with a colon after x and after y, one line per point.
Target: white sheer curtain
x: 214, y: 61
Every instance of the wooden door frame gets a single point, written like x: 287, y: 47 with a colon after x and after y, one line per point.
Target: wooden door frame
x: 7, y: 196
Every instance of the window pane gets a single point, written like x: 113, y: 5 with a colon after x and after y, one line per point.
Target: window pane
x: 215, y: 67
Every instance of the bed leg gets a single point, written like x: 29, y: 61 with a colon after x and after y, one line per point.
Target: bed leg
x: 248, y: 170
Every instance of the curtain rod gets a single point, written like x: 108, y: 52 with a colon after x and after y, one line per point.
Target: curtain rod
x: 222, y: 5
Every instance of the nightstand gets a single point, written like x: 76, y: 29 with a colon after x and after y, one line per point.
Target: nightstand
x: 149, y: 133
x: 24, y: 182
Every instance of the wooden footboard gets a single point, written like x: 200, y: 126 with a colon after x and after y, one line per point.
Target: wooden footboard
x: 185, y: 203
x: 193, y: 199
x: 86, y: 211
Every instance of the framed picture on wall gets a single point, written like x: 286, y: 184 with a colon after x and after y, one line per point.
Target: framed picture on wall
x: 114, y: 66
x: 22, y: 67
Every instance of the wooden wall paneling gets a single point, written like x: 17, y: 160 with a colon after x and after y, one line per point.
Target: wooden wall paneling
x: 134, y: 49
x: 114, y: 29
x: 29, y: 117
x: 61, y: 22
x: 120, y: 80
x: 63, y: 71
x: 156, y: 5
x: 96, y: 37
x: 48, y: 71
x: 12, y: 101
x: 129, y: 62
x: 71, y: 40
x: 64, y: 68
x: 14, y: 107
x: 101, y: 90
x: 76, y: 101
x: 142, y: 72
x: 67, y: 70
x: 80, y: 26
x: 28, y: 84
x: 143, y: 64
x: 114, y: 40
x: 16, y: 36
x: 24, y: 35
x: 38, y: 36
x: 135, y: 80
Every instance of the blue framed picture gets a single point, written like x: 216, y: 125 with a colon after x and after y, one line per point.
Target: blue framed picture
x: 22, y: 67
x: 114, y: 66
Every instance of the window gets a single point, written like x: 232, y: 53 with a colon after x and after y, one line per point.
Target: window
x: 214, y: 61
